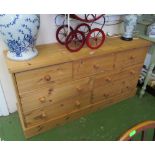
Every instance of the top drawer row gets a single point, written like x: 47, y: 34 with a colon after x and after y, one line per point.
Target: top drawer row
x: 56, y: 74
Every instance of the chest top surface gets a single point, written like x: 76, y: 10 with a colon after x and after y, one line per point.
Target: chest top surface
x: 52, y: 54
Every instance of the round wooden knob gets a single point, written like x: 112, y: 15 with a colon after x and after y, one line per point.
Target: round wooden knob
x: 132, y: 72
x: 43, y: 114
x: 123, y: 82
x: 106, y: 95
x: 96, y: 66
x: 127, y: 87
x: 132, y: 57
x: 79, y: 88
x: 47, y: 77
x: 78, y: 103
x: 108, y: 79
x: 42, y: 99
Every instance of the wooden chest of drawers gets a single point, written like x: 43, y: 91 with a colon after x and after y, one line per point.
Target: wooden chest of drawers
x: 58, y: 86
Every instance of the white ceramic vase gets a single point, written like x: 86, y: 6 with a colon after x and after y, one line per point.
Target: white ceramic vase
x: 151, y: 30
x: 19, y: 32
x: 130, y: 22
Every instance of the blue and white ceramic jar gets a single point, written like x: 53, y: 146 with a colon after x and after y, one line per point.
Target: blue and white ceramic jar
x: 151, y: 30
x: 19, y: 32
x: 130, y: 22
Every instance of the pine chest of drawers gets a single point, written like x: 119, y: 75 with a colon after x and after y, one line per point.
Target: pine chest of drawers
x: 58, y: 86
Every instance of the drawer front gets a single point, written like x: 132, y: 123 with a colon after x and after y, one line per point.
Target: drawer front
x: 132, y: 74
x: 129, y: 58
x: 87, y: 67
x: 57, y: 110
x: 51, y: 95
x: 112, y: 90
x: 34, y: 79
x: 109, y: 86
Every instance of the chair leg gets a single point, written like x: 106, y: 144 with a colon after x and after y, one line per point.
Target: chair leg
x: 154, y: 135
x: 143, y: 135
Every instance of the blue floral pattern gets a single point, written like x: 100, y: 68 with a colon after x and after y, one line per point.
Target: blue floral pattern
x: 16, y: 47
x: 19, y: 31
x: 29, y: 39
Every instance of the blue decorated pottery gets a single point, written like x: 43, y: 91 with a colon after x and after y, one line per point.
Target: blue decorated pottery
x: 130, y: 22
x: 151, y: 30
x: 19, y: 32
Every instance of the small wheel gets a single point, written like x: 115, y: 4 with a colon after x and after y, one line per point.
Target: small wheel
x: 85, y: 28
x: 75, y: 41
x: 95, y: 38
x: 62, y: 33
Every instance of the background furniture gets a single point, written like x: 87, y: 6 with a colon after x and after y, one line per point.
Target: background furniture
x: 143, y: 22
x: 149, y: 72
x: 140, y: 128
x: 58, y: 86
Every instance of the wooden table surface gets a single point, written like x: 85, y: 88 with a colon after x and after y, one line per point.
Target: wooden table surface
x: 52, y: 54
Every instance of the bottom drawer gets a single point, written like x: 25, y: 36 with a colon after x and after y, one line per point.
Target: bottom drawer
x: 56, y: 110
x: 39, y: 128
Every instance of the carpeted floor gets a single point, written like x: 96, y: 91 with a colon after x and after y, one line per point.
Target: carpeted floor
x: 107, y: 124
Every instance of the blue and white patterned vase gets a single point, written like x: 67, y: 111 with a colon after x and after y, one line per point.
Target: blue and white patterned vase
x: 19, y: 32
x: 130, y: 22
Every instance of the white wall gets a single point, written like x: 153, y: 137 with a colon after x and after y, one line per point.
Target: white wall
x: 3, y: 106
x: 6, y: 82
x: 46, y: 35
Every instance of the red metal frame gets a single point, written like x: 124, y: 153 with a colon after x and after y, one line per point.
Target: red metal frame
x: 73, y: 40
x: 84, y: 25
x: 65, y: 35
x: 89, y: 38
x: 74, y: 16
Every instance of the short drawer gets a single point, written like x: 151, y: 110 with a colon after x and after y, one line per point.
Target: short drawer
x: 91, y: 66
x: 103, y: 93
x: 111, y: 85
x: 51, y: 95
x: 129, y: 58
x: 54, y: 111
x: 30, y: 80
x: 131, y: 74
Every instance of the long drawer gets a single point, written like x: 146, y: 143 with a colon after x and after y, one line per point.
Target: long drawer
x: 50, y: 95
x: 52, y: 75
x: 59, y: 109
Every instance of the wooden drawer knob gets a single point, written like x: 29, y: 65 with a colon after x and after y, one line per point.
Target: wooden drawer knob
x: 43, y: 114
x: 40, y: 116
x: 96, y: 66
x: 132, y: 72
x: 127, y: 87
x: 47, y: 77
x: 123, y: 82
x: 78, y: 104
x: 106, y: 95
x: 108, y: 79
x: 79, y: 88
x: 42, y: 99
x: 132, y: 57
